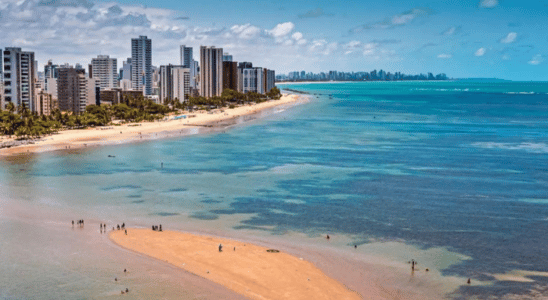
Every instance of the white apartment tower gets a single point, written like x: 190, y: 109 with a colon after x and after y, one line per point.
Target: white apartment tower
x: 105, y: 69
x: 19, y: 76
x: 141, y: 64
x: 211, y: 71
x: 174, y: 83
x: 251, y: 80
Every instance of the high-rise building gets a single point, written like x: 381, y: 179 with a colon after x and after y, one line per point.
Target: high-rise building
x: 50, y: 70
x: 19, y: 77
x: 186, y: 56
x: 227, y: 57
x: 211, y: 71
x: 125, y: 72
x: 269, y: 80
x: 174, y: 83
x: 251, y: 79
x: 75, y: 90
x: 141, y: 64
x: 105, y: 69
x: 230, y: 75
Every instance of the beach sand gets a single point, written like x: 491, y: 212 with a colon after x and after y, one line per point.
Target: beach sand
x: 74, y: 139
x: 249, y: 270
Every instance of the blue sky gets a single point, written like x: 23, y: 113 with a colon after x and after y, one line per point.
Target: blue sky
x: 472, y: 38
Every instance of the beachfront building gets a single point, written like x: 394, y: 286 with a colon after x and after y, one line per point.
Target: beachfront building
x: 250, y: 79
x: 230, y: 75
x: 19, y: 76
x: 269, y: 80
x: 141, y: 64
x: 211, y: 71
x: 105, y: 69
x: 174, y: 83
x: 75, y: 90
x: 44, y: 103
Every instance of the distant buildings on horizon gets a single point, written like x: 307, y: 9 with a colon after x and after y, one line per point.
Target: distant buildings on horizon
x: 356, y: 76
x: 72, y: 89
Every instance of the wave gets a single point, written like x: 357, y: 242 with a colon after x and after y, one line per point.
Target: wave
x: 529, y: 147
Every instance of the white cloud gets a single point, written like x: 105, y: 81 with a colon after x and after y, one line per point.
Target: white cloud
x: 297, y: 36
x: 282, y: 29
x: 445, y: 56
x: 536, y: 60
x: 510, y: 38
x: 246, y: 31
x: 488, y: 3
x: 451, y: 31
x: 74, y: 31
x: 480, y: 52
x: 395, y: 21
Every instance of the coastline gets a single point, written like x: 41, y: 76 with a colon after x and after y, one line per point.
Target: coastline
x: 134, y: 132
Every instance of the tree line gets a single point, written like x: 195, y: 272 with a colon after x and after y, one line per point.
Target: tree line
x: 23, y: 123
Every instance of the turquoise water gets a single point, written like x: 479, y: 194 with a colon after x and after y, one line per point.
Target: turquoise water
x: 435, y: 164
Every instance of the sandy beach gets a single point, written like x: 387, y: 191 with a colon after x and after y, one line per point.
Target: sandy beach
x: 74, y: 139
x: 244, y: 268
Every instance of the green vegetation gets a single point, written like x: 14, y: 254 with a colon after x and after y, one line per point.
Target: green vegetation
x: 25, y: 124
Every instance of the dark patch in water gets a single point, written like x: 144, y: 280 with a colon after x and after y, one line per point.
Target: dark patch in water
x: 138, y: 201
x: 165, y: 214
x: 204, y: 216
x: 121, y: 187
x: 177, y: 190
x: 211, y: 201
x: 134, y: 196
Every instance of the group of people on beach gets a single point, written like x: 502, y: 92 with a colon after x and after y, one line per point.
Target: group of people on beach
x: 80, y: 223
x: 116, y: 280
x: 157, y: 228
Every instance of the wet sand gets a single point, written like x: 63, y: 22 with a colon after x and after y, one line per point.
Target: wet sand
x: 195, y: 123
x: 248, y: 270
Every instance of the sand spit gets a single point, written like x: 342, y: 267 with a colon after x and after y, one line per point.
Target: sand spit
x: 242, y: 267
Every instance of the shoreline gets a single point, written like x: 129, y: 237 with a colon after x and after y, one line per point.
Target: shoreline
x: 245, y: 268
x: 195, y: 123
x: 367, y: 273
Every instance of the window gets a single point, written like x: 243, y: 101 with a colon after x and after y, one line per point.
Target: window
x: 7, y: 75
x: 7, y: 68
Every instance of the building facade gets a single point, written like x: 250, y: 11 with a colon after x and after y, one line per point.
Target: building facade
x: 251, y: 80
x: 141, y: 64
x: 186, y: 56
x: 175, y: 83
x: 211, y: 71
x: 19, y: 76
x: 269, y: 80
x: 75, y: 90
x: 230, y: 75
x: 105, y: 69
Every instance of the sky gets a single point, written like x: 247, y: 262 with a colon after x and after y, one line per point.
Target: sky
x: 463, y: 38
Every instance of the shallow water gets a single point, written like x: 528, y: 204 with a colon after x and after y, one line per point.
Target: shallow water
x: 445, y: 165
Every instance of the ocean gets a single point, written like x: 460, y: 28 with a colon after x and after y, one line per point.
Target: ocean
x: 456, y: 167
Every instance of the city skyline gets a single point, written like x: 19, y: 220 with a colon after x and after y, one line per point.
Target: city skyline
x: 476, y: 38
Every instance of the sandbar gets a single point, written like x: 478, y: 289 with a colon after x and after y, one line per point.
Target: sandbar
x: 245, y: 268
